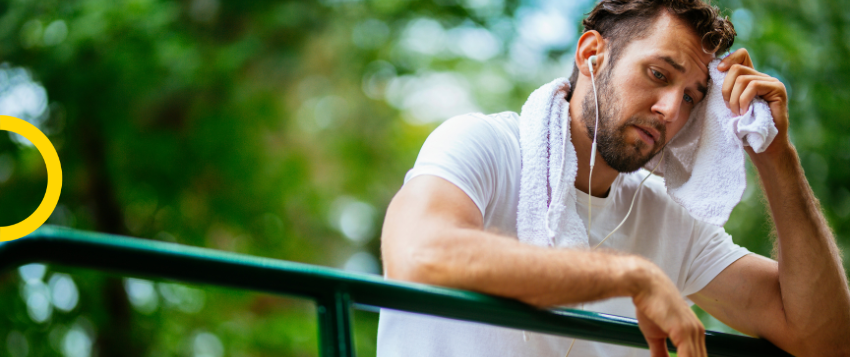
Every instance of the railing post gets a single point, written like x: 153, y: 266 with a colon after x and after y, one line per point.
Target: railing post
x: 335, y: 325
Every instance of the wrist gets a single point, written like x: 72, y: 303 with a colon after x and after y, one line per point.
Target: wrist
x: 778, y: 154
x: 639, y: 275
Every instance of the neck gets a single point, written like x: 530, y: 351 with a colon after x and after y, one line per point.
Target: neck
x: 603, y: 175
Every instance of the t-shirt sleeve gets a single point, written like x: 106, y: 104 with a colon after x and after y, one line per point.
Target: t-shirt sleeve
x: 463, y: 150
x: 712, y: 251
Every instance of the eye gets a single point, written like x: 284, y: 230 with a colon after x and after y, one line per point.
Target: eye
x: 688, y: 98
x: 658, y: 75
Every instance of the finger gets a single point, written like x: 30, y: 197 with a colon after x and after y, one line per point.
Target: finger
x: 698, y: 341
x: 740, y: 56
x: 764, y: 87
x: 657, y: 347
x: 735, y: 93
x: 736, y: 103
x: 687, y: 348
x: 689, y: 340
x: 741, y: 84
x: 747, y: 96
x: 735, y: 72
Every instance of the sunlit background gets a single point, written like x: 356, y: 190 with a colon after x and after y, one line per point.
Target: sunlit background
x: 283, y: 128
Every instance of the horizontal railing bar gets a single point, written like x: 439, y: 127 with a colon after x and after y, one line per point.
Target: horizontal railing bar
x: 141, y: 257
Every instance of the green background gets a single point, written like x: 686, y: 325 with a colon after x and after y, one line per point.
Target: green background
x: 282, y: 129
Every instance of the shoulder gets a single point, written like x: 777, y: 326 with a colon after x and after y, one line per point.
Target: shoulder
x: 477, y: 153
x: 499, y: 126
x: 497, y: 134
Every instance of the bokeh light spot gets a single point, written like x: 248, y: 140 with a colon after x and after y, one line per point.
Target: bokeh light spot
x: 37, y: 297
x: 32, y: 272
x: 353, y: 218
x: 206, y: 344
x: 142, y: 295
x: 64, y: 293
x: 76, y: 342
x: 363, y: 262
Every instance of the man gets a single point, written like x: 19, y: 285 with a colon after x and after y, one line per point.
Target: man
x: 453, y: 223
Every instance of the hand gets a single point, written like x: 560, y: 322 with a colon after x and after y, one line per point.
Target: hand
x: 743, y: 83
x: 662, y: 313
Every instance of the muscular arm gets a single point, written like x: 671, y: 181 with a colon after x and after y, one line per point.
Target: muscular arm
x: 801, y: 302
x: 433, y: 234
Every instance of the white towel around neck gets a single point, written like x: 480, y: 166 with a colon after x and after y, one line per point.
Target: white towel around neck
x: 548, y: 161
x: 703, y: 166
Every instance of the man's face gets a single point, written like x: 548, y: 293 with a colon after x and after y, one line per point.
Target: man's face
x: 648, y: 94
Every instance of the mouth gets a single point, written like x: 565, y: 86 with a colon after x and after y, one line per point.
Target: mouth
x: 648, y: 134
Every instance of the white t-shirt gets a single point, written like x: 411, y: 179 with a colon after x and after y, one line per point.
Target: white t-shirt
x: 481, y: 155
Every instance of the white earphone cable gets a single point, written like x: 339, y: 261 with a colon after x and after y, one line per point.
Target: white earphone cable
x: 592, y: 148
x: 633, y: 201
x: 618, y: 227
x: 590, y: 180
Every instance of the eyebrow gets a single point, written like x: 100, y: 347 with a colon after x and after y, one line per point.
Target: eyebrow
x: 700, y: 87
x: 673, y: 63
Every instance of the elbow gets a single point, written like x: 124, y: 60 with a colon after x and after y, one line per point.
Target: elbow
x: 416, y: 272
x: 418, y: 263
x: 825, y: 340
x: 411, y: 268
x: 806, y: 348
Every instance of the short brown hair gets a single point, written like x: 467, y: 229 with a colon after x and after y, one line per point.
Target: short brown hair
x: 621, y: 21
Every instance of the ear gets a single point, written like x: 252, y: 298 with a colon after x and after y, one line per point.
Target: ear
x: 590, y: 43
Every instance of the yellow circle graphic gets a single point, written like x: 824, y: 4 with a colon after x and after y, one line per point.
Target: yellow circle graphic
x: 54, y: 178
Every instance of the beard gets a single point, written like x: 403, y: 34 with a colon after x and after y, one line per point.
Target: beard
x: 611, y: 140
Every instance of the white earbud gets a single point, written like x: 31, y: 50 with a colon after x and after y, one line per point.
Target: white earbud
x: 591, y: 61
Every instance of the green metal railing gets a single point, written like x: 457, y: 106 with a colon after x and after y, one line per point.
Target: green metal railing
x: 335, y: 292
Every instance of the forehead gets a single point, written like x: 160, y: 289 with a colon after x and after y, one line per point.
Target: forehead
x: 670, y: 38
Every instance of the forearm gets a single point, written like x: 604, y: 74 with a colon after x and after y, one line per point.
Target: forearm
x: 434, y: 234
x: 475, y: 260
x: 812, y: 281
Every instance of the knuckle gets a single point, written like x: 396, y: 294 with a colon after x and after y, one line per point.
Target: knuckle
x: 754, y: 85
x: 730, y: 73
x: 735, y: 70
x: 740, y: 79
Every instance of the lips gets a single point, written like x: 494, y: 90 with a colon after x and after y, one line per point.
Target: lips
x: 648, y: 134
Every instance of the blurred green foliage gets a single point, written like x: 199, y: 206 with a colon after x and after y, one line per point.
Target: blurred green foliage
x: 282, y: 129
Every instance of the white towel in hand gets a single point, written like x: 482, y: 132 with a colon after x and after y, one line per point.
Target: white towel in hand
x: 703, y: 167
x: 704, y: 163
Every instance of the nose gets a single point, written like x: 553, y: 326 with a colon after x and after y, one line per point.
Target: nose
x: 668, y: 105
